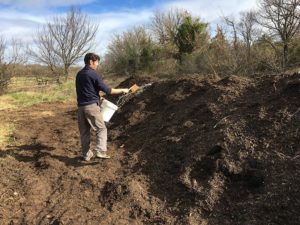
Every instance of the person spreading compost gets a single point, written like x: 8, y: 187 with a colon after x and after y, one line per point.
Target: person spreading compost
x: 88, y: 86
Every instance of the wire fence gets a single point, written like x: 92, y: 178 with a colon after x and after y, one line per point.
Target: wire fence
x: 27, y: 83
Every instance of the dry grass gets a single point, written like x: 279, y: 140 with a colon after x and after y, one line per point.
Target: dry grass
x: 7, y: 102
x: 6, y: 129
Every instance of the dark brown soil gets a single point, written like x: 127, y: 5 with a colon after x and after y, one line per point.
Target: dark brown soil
x: 200, y: 151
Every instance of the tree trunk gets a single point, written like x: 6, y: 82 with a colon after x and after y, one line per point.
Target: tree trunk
x: 248, y: 52
x: 66, y: 73
x: 285, y: 55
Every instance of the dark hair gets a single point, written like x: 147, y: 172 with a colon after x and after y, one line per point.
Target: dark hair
x: 91, y: 56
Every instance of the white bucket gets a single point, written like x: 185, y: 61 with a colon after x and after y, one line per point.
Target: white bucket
x: 108, y: 109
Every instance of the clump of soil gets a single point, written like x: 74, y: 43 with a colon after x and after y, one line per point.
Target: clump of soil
x: 197, y: 150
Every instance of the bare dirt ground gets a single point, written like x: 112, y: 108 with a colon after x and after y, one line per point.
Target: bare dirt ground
x: 189, y: 151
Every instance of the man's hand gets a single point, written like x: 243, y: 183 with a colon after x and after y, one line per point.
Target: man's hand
x: 119, y: 90
x: 101, y: 99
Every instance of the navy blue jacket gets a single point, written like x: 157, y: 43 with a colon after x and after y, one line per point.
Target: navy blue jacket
x: 88, y: 85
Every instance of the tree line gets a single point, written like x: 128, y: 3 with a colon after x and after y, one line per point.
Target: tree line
x: 174, y: 42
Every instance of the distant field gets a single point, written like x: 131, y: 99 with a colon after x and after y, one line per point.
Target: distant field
x: 21, y: 82
x: 25, y: 91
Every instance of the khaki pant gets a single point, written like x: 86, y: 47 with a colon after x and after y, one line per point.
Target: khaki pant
x: 90, y: 117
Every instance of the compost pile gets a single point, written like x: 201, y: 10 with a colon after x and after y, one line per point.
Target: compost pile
x: 199, y: 150
x: 211, y: 151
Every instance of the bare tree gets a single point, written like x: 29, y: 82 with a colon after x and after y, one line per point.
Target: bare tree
x: 165, y: 24
x: 246, y: 28
x: 232, y: 23
x: 62, y: 41
x: 164, y: 27
x: 2, y: 49
x: 131, y: 52
x: 4, y: 78
x: 8, y: 62
x: 281, y: 18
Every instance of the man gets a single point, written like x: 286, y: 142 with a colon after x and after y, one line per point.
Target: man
x: 88, y: 86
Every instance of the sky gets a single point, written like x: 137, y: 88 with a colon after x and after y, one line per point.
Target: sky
x: 22, y: 18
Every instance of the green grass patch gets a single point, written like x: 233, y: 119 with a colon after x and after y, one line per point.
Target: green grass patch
x: 61, y: 93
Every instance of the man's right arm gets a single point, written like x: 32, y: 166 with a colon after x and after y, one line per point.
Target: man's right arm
x: 108, y: 90
x: 119, y: 91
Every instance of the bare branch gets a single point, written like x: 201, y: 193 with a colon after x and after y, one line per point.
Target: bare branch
x: 282, y: 18
x: 62, y: 41
x: 165, y: 25
x: 9, y: 62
